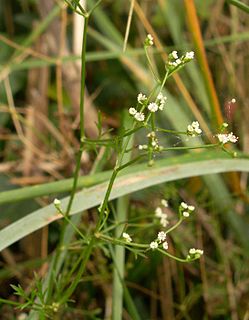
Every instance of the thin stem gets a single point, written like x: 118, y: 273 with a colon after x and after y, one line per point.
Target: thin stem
x: 83, y: 76
x: 171, y: 131
x: 94, y: 7
x: 74, y: 226
x: 150, y: 65
x: 76, y: 280
x: 190, y: 148
x: 75, y: 179
x: 82, y: 128
x: 164, y: 80
x: 173, y: 257
x: 78, y: 160
x: 174, y: 226
x: 120, y: 242
x: 106, y: 198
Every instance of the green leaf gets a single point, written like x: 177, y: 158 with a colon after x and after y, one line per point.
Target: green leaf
x: 140, y: 178
x: 240, y: 5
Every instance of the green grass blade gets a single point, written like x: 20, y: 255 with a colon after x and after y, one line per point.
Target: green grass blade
x: 141, y: 178
x: 52, y: 187
x: 240, y: 5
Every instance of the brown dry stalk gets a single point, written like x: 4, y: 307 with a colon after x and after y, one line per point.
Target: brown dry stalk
x: 194, y: 28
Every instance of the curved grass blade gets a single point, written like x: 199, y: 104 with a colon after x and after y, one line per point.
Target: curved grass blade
x: 131, y: 182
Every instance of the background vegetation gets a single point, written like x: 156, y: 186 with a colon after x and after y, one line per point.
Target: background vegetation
x: 40, y: 45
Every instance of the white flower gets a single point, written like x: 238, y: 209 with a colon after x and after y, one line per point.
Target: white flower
x: 165, y: 245
x: 151, y: 134
x: 184, y: 205
x: 142, y: 147
x: 178, y: 61
x: 132, y: 111
x: 149, y: 40
x: 141, y: 98
x: 190, y: 55
x: 194, y: 128
x: 195, y: 124
x: 57, y: 202
x: 174, y: 54
x: 162, y: 100
x: 164, y: 221
x: 158, y: 212
x: 225, y: 138
x: 186, y: 209
x: 185, y: 214
x: 161, y: 236
x: 127, y: 237
x: 195, y: 253
x: 164, y: 203
x: 199, y: 251
x: 153, y: 245
x: 233, y: 100
x: 139, y: 116
x: 162, y: 216
x: 153, y: 107
x: 174, y: 64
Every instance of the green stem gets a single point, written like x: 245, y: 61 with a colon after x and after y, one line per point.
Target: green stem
x: 190, y: 148
x: 75, y: 179
x: 171, y: 131
x: 150, y: 64
x: 173, y: 257
x: 82, y: 127
x: 78, y: 160
x: 76, y: 280
x: 174, y: 226
x: 120, y: 242
x: 164, y: 80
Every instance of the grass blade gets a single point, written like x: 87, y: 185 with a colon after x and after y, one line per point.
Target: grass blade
x: 240, y: 5
x: 142, y: 178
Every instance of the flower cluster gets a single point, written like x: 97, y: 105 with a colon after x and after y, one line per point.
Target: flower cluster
x: 153, y: 107
x: 189, y: 55
x: 139, y: 116
x: 153, y: 141
x: 185, y: 210
x: 153, y: 245
x: 149, y: 41
x: 227, y: 137
x: 142, y: 147
x: 161, y: 238
x: 193, y: 129
x: 194, y: 253
x: 141, y: 98
x: 158, y: 104
x: 127, y: 237
x: 161, y: 215
x: 174, y: 61
x: 162, y: 100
